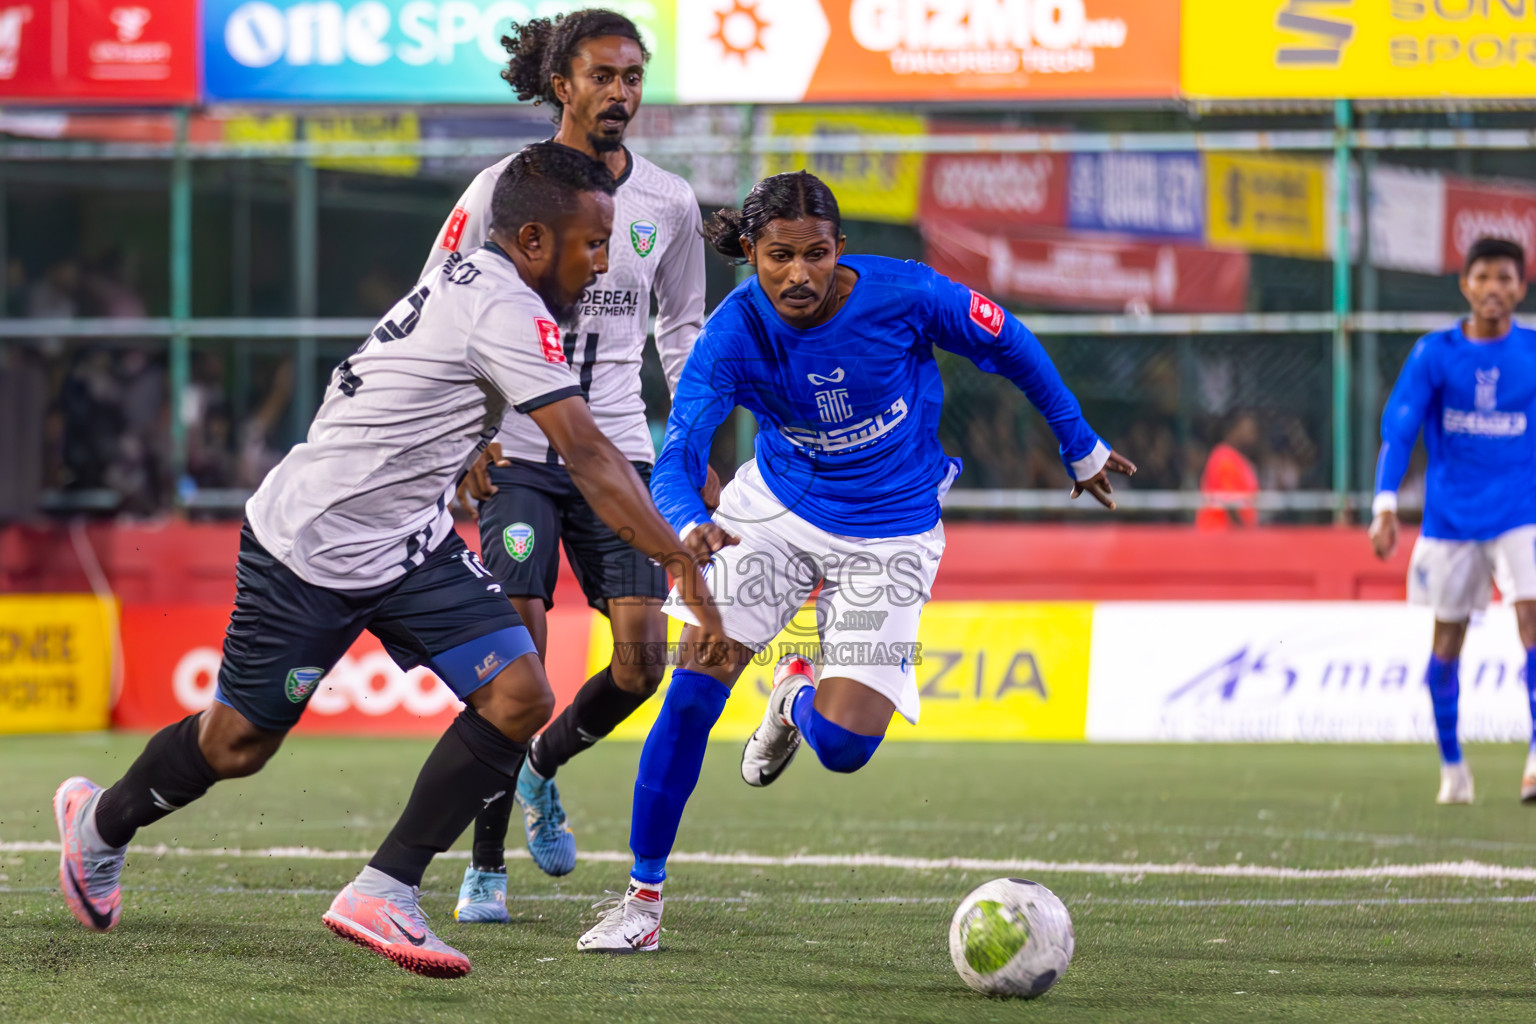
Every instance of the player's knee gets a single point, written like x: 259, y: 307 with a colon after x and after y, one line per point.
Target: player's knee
x: 838, y: 749
x: 639, y: 679
x: 518, y: 702
x: 237, y: 758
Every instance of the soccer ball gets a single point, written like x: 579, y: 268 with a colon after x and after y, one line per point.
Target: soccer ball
x: 1011, y: 937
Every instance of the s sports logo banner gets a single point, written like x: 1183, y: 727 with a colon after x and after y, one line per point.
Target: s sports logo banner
x: 987, y: 314
x: 642, y: 235
x: 454, y: 232
x: 519, y: 541
x: 549, y: 340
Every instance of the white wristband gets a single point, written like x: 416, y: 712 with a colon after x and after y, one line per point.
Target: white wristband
x: 1386, y: 501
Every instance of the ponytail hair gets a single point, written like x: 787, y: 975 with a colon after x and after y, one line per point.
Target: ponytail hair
x: 797, y: 195
x: 542, y: 47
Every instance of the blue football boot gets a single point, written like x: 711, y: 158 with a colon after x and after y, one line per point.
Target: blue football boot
x: 549, y: 838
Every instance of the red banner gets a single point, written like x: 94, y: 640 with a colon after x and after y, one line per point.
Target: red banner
x: 1476, y: 210
x: 1077, y: 272
x: 996, y: 189
x: 171, y: 657
x: 98, y: 51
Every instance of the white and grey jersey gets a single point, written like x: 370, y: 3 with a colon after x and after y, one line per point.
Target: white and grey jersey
x: 365, y: 497
x: 657, y: 246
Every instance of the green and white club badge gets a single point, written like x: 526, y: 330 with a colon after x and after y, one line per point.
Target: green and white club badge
x: 302, y: 682
x: 642, y: 235
x: 519, y: 541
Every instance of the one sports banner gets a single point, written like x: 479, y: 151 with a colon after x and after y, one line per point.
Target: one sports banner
x: 787, y: 51
x: 1358, y: 49
x: 98, y: 51
x: 1311, y: 671
x: 389, y: 51
x: 1079, y: 271
x: 987, y: 671
x: 55, y: 662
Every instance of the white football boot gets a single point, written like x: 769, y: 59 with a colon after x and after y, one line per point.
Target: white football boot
x: 631, y: 924
x: 1455, y: 784
x: 1528, y: 780
x: 773, y: 745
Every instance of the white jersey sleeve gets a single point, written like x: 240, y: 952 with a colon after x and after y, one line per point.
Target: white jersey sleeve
x: 679, y: 288
x: 515, y: 346
x: 469, y: 225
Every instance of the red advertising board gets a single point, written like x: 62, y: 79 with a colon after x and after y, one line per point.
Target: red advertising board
x: 1476, y: 210
x: 996, y: 189
x: 171, y: 656
x: 98, y: 51
x: 1079, y: 272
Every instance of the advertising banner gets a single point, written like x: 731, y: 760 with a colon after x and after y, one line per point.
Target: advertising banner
x: 55, y: 662
x: 1081, y: 272
x: 786, y: 51
x: 996, y: 189
x: 868, y: 186
x: 1268, y: 204
x: 989, y: 671
x: 1357, y: 49
x: 389, y: 51
x: 1475, y: 210
x: 172, y: 653
x: 1407, y: 219
x: 1159, y: 194
x: 98, y: 51
x: 1311, y: 671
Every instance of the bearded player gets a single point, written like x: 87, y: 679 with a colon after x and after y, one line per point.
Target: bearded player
x: 590, y: 67
x: 834, y: 354
x: 351, y: 531
x: 1472, y: 389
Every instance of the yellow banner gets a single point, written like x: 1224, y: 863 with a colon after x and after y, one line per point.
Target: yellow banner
x: 55, y: 663
x: 1358, y: 49
x: 398, y: 127
x: 989, y: 671
x: 1267, y: 204
x: 868, y: 186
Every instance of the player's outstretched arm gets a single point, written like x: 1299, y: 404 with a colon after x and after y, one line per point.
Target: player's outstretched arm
x: 620, y: 498
x: 1400, y: 423
x: 706, y: 393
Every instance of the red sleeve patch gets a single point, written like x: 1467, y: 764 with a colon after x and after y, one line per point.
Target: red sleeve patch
x: 549, y: 340
x: 454, y: 232
x: 987, y: 314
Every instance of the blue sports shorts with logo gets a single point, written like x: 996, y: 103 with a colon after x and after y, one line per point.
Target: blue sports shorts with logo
x: 535, y: 509
x: 448, y: 613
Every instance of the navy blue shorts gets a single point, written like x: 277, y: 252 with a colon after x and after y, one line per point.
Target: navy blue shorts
x: 448, y: 614
x: 536, y: 508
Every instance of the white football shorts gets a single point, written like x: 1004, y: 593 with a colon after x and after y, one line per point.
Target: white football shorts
x: 1456, y: 577
x: 872, y: 589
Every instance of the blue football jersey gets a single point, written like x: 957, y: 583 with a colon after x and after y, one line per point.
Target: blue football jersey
x: 1475, y: 401
x: 848, y: 411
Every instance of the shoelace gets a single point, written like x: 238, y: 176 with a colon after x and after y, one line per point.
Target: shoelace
x: 611, y: 903
x: 548, y: 809
x: 412, y: 907
x: 102, y: 871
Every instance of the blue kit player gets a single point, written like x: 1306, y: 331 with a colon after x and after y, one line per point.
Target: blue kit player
x: 834, y: 355
x: 1472, y: 388
x: 351, y: 531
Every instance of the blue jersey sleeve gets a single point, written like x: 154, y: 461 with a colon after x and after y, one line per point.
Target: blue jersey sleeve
x: 1403, y: 417
x: 706, y: 393
x: 969, y: 324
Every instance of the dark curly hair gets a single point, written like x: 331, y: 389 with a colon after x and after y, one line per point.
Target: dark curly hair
x: 543, y: 181
x: 542, y: 47
x: 796, y: 195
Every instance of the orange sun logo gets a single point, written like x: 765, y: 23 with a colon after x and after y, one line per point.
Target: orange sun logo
x: 739, y: 30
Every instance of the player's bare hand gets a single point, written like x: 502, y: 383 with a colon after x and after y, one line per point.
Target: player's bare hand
x: 477, y: 482
x: 709, y: 645
x: 710, y: 492
x: 1384, y: 534
x: 1099, y: 486
x: 705, y: 539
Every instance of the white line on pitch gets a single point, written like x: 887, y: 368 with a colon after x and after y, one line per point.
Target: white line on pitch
x: 1468, y: 869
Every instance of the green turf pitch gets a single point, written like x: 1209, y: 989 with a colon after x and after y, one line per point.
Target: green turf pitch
x: 214, y: 937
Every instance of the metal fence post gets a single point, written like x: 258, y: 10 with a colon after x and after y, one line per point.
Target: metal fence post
x: 1341, y: 305
x: 306, y: 271
x: 746, y: 177
x: 181, y: 295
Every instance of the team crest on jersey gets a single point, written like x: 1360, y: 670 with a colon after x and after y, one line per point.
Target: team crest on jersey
x: 549, y: 340
x: 519, y: 541
x: 642, y: 235
x: 987, y: 314
x: 302, y: 682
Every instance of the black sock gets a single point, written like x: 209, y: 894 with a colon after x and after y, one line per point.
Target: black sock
x: 472, y: 766
x: 168, y: 775
x: 597, y: 710
x: 491, y: 827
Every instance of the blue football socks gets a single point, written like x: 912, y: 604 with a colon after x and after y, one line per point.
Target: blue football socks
x: 669, y: 768
x: 1530, y: 690
x: 839, y: 749
x: 1444, y: 690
